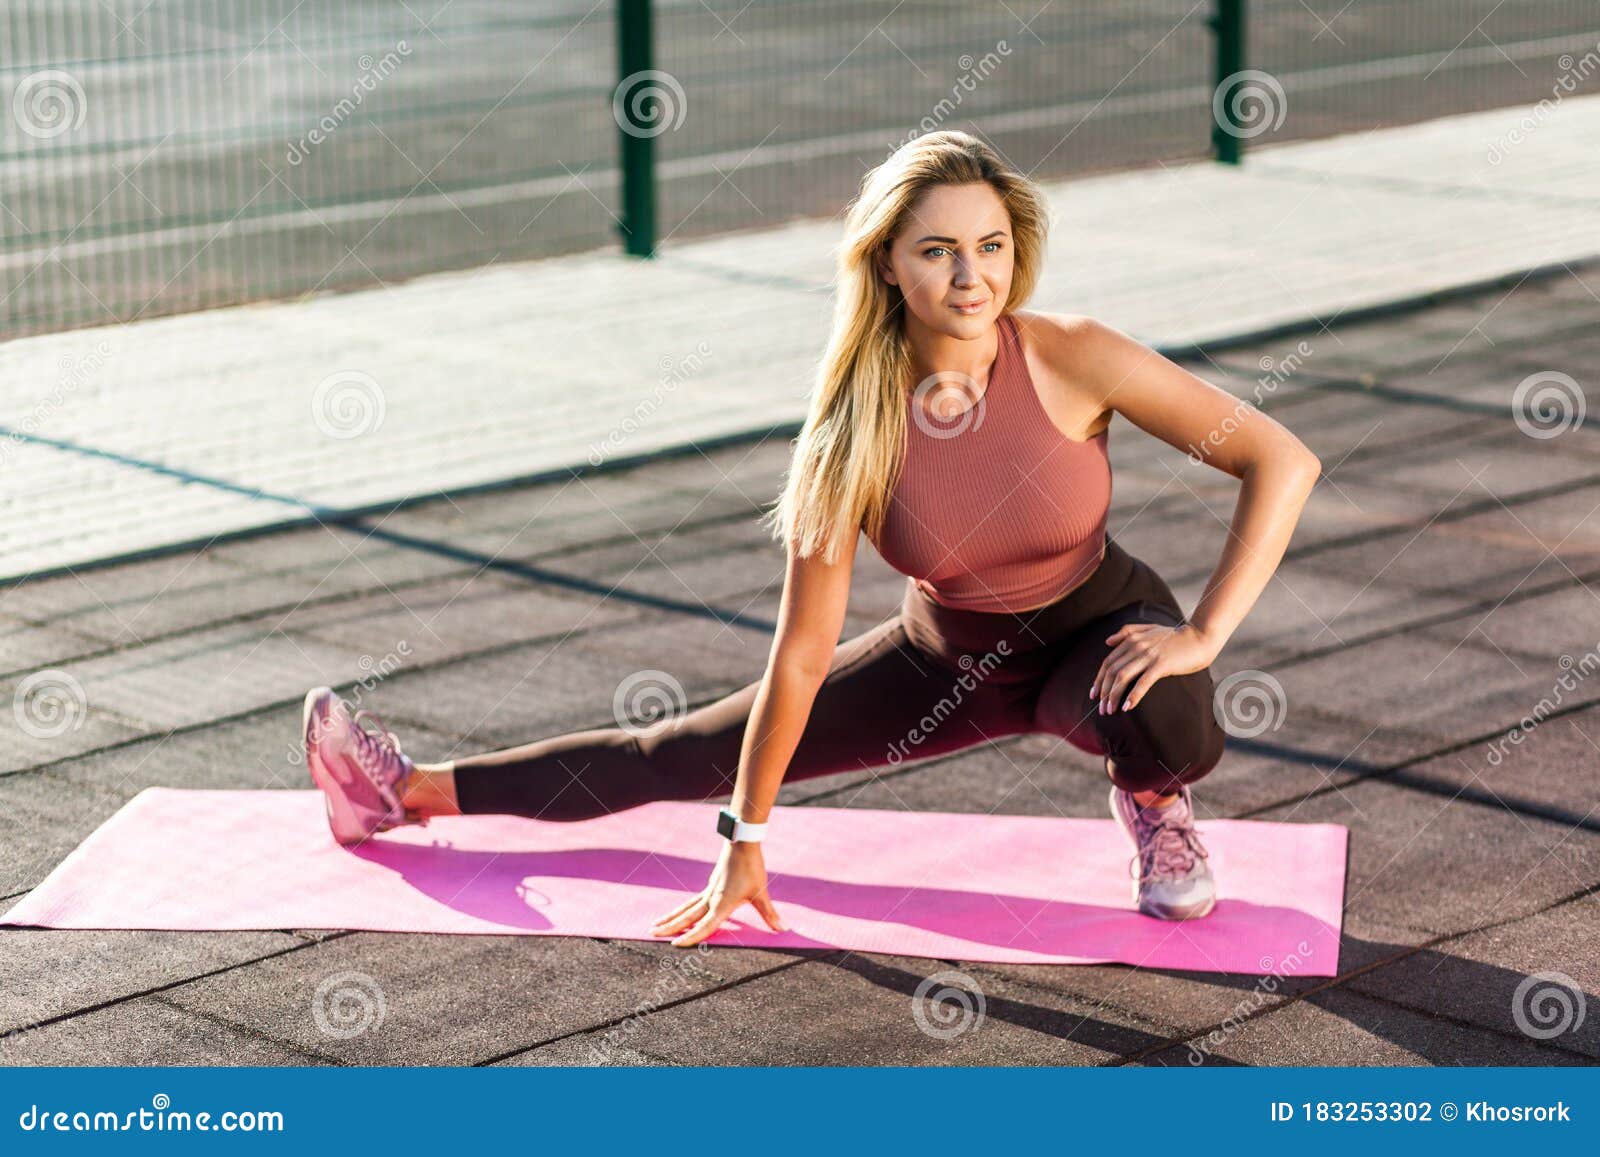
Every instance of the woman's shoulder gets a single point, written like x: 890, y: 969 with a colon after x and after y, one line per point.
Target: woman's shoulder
x: 1055, y: 333
x: 1059, y: 350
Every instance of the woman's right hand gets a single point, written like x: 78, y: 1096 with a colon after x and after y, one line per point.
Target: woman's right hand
x: 740, y: 875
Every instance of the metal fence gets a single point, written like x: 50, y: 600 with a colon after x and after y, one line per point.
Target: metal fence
x: 157, y: 158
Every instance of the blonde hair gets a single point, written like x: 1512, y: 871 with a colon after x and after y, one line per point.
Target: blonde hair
x: 847, y: 455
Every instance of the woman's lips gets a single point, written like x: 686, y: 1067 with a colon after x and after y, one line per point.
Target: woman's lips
x: 975, y: 307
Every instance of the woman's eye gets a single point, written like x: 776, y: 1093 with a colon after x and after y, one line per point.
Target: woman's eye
x: 941, y: 248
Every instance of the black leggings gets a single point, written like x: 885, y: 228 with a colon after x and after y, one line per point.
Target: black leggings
x: 929, y: 681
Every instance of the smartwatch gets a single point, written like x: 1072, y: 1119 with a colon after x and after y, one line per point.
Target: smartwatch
x: 734, y: 828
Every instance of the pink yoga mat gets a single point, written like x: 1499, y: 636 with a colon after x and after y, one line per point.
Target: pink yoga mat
x: 946, y: 885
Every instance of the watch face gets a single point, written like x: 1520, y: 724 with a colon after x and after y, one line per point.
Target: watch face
x: 725, y: 820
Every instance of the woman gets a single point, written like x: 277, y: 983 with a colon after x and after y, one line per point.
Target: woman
x: 968, y: 441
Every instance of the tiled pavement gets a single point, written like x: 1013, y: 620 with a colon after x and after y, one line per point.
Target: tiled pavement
x: 1445, y: 564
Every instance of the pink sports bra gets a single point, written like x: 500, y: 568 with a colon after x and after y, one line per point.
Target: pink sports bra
x: 996, y: 509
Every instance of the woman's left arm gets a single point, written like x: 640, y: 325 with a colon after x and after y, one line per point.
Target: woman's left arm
x: 1209, y: 425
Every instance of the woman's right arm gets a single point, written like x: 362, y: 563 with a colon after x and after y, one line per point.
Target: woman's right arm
x: 810, y: 618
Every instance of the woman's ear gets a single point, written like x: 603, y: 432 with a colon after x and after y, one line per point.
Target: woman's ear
x: 880, y: 258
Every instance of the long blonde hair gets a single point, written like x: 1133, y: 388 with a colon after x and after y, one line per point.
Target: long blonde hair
x: 847, y: 455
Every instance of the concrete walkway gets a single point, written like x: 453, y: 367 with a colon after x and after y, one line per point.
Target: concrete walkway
x: 126, y: 440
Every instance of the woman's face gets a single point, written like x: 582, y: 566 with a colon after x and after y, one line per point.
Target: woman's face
x: 954, y: 249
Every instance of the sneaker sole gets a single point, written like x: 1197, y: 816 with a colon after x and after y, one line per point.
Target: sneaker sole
x: 1193, y: 914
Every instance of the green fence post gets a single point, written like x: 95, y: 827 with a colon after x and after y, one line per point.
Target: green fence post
x: 1228, y: 23
x: 638, y: 224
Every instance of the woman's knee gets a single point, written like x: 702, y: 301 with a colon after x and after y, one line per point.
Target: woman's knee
x: 1170, y: 737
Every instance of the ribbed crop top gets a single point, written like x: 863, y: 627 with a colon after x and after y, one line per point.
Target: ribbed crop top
x: 996, y: 509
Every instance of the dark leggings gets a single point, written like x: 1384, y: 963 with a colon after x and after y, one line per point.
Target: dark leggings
x: 929, y: 681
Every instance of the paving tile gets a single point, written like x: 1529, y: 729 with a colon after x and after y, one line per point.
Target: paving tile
x: 1306, y: 608
x: 586, y: 1050
x: 335, y: 559
x: 704, y: 566
x: 146, y: 1032
x: 862, y: 1008
x: 565, y: 684
x: 42, y: 818
x: 259, y: 751
x: 561, y: 685
x: 54, y: 972
x: 1540, y: 625
x: 1377, y: 344
x: 1422, y: 861
x: 438, y: 999
x: 1522, y: 771
x: 1337, y: 515
x: 1576, y: 346
x: 1492, y: 376
x: 385, y: 632
x: 1349, y: 428
x: 63, y: 720
x: 1195, y: 1002
x: 1413, y: 682
x: 1506, y: 464
x: 550, y: 520
x: 25, y: 646
x: 138, y: 601
x: 1486, y: 554
x: 191, y: 678
x: 1538, y: 977
x: 1341, y: 1028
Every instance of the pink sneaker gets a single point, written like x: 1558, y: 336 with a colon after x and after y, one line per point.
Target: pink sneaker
x: 362, y: 774
x: 1171, y: 879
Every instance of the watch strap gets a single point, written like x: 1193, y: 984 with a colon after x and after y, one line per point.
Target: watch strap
x: 734, y: 828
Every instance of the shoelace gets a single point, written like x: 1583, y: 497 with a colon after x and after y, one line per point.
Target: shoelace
x: 1170, y: 850
x: 373, y: 748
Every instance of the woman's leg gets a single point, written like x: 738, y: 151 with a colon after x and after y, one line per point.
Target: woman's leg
x: 884, y: 701
x: 1170, y: 737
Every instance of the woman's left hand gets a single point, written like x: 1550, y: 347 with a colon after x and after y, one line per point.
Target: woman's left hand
x: 1144, y: 652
